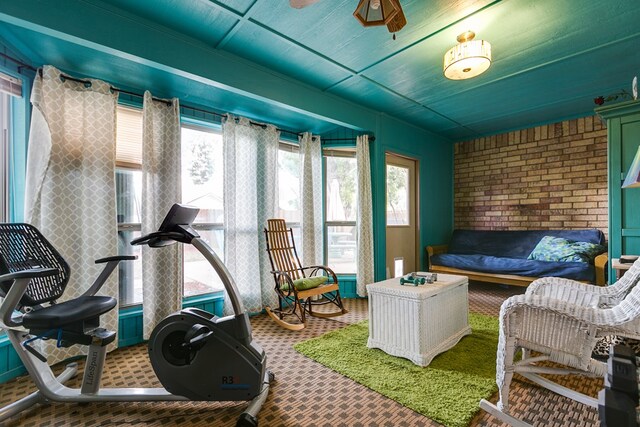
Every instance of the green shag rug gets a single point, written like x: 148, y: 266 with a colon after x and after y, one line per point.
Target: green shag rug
x: 447, y: 391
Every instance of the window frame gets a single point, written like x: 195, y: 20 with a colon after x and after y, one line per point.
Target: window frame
x: 290, y: 147
x: 5, y: 155
x: 193, y: 124
x: 348, y: 152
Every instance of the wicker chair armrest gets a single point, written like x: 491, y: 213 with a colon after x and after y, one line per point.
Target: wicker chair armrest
x: 568, y: 290
x: 536, y: 305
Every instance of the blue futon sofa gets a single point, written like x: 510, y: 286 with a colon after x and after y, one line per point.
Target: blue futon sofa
x: 502, y: 256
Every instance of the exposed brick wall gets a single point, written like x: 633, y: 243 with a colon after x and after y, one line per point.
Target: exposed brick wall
x: 547, y: 177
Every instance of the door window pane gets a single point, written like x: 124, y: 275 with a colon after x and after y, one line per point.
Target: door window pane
x: 397, y: 195
x: 341, y: 187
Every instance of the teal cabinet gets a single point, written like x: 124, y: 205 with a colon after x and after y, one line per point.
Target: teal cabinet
x: 623, y: 130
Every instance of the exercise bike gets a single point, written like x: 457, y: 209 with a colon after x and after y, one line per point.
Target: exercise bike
x: 195, y: 355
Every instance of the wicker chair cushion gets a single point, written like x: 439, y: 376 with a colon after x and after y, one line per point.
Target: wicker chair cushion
x: 307, y: 283
x: 563, y: 250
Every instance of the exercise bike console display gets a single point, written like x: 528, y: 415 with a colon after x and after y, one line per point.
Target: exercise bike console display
x: 176, y: 227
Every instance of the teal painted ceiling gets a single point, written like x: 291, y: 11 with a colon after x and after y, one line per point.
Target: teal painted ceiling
x: 550, y: 57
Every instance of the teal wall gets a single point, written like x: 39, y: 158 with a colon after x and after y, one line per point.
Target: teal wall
x: 436, y: 184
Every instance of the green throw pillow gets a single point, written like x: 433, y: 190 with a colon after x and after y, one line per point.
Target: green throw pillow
x: 558, y: 249
x: 306, y: 283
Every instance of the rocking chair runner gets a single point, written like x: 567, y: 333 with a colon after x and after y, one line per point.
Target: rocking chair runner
x: 293, y: 282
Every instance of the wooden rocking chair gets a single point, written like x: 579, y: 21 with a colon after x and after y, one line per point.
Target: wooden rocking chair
x: 299, y: 289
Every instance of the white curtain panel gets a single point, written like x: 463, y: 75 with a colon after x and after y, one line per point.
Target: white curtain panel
x: 364, y: 218
x: 162, y: 280
x: 70, y: 183
x: 311, y: 227
x: 250, y: 176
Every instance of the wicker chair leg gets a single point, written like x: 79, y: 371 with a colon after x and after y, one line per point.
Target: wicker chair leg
x: 505, y: 369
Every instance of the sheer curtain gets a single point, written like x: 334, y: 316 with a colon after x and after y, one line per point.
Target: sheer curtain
x: 161, y: 188
x: 250, y: 176
x: 70, y: 183
x: 364, y: 218
x: 311, y: 226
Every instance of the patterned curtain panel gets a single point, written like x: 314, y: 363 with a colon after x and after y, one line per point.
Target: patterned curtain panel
x: 311, y: 227
x: 161, y: 188
x: 250, y: 175
x: 364, y: 218
x: 70, y: 183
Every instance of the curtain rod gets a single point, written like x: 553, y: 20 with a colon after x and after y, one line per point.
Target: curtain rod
x: 371, y: 139
x: 17, y: 61
x: 87, y: 83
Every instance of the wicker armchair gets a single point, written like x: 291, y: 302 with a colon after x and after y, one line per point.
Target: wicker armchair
x: 579, y: 293
x: 557, y: 331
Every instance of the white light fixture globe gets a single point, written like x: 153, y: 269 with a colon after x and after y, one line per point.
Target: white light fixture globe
x: 467, y: 59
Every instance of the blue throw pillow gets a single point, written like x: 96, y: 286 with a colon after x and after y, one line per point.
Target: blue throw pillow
x: 562, y: 250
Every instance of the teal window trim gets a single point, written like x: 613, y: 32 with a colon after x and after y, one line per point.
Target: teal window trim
x: 130, y: 311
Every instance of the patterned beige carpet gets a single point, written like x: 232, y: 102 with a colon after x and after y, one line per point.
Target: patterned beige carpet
x: 305, y: 393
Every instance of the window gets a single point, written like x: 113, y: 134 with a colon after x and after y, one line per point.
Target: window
x: 202, y: 185
x: 289, y: 201
x: 340, y: 210
x: 128, y: 201
x: 397, y: 195
x: 5, y: 138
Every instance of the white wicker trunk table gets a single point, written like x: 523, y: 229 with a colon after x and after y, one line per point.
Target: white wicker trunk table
x: 418, y: 322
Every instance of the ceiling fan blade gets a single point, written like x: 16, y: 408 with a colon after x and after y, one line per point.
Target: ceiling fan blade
x: 299, y: 4
x: 398, y: 21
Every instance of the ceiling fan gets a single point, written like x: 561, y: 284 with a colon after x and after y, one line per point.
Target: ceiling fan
x: 371, y: 13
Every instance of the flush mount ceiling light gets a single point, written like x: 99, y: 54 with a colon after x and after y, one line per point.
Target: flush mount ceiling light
x: 381, y: 12
x: 467, y: 59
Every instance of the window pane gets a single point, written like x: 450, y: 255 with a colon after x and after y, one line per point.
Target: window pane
x: 341, y: 250
x: 129, y: 272
x: 4, y: 156
x: 202, y: 173
x: 341, y: 190
x: 129, y: 136
x: 397, y: 195
x: 128, y: 195
x: 199, y: 276
x: 289, y: 186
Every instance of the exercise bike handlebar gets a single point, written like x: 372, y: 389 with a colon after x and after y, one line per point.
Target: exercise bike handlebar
x: 176, y: 227
x: 159, y: 236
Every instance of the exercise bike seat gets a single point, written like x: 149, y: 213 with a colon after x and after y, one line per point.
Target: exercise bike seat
x: 68, y: 312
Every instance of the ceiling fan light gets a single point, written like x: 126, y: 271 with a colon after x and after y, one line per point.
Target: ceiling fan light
x: 467, y: 59
x: 369, y: 16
